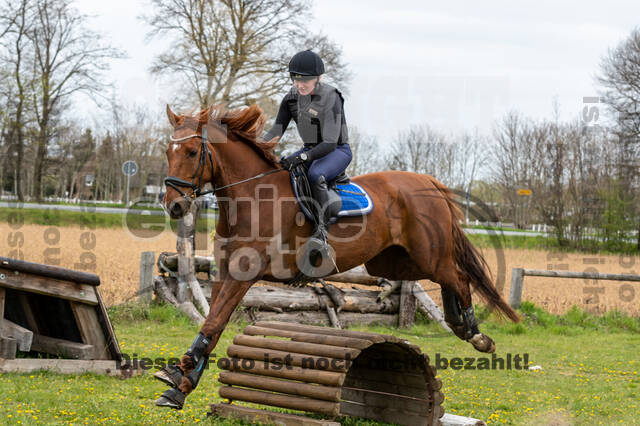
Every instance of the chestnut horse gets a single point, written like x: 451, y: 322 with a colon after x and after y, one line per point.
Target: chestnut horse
x: 413, y: 233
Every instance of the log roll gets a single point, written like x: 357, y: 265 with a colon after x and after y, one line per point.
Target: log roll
x: 332, y: 372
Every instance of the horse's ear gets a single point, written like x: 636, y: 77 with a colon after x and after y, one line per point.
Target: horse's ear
x: 173, y: 119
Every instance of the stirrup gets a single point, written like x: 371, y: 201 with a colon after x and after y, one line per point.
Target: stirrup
x: 317, y: 251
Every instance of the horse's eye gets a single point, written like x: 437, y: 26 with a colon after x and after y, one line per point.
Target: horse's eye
x: 192, y: 154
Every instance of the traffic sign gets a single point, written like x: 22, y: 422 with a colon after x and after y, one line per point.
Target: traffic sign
x: 524, y: 192
x: 130, y: 168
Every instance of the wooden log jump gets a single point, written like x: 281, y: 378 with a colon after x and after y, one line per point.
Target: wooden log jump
x: 330, y: 372
x: 393, y: 303
x: 518, y: 274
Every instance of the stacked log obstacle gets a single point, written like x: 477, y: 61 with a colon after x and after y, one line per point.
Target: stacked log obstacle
x: 56, y: 312
x: 327, y: 371
x: 392, y: 303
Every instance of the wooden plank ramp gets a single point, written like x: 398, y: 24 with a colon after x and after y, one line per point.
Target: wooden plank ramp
x: 254, y: 415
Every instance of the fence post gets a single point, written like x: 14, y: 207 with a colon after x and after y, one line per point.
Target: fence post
x: 408, y: 305
x: 515, y: 294
x: 145, y: 294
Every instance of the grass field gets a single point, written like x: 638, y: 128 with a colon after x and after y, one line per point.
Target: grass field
x: 589, y: 363
x: 589, y: 374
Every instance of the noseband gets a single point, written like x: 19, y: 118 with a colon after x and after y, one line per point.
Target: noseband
x: 177, y: 183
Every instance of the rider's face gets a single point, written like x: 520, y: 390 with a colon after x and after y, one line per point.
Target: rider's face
x: 305, y: 87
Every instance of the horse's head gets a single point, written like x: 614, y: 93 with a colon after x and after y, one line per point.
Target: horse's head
x: 191, y: 160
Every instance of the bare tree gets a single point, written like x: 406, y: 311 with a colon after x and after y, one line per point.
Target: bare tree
x: 417, y: 150
x: 620, y: 80
x: 68, y: 58
x: 15, y: 18
x: 516, y: 161
x: 366, y: 153
x: 470, y: 150
x: 234, y: 51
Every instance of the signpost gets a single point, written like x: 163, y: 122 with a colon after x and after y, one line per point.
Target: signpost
x: 523, y: 192
x: 129, y: 168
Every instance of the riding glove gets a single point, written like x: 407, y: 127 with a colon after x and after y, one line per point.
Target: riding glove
x: 292, y: 161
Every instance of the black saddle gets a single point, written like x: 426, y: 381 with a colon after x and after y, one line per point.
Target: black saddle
x: 302, y: 190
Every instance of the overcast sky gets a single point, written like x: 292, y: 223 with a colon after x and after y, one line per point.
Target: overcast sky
x: 453, y: 65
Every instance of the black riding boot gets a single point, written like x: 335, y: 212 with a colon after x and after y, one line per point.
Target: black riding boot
x: 317, y: 250
x: 323, y: 212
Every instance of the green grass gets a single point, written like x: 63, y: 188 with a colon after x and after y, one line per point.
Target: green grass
x: 589, y: 373
x: 94, y: 220
x: 548, y: 243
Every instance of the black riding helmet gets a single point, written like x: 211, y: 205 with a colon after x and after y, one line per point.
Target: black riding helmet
x: 305, y: 65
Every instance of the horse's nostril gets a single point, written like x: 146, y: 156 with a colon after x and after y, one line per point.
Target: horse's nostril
x: 176, y: 209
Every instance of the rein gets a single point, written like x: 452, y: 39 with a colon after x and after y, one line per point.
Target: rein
x: 177, y: 183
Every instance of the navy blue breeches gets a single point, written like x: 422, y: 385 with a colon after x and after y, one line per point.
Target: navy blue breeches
x: 331, y: 165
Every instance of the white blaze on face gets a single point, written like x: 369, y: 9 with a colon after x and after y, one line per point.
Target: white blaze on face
x: 175, y: 147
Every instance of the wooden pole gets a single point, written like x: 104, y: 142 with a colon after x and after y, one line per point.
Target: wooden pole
x: 145, y: 294
x: 347, y: 342
x: 187, y: 283
x: 407, y: 311
x: 253, y: 415
x: 325, y: 393
x: 297, y: 347
x: 299, y: 360
x: 584, y: 275
x: 329, y: 378
x: 49, y: 271
x: 3, y: 294
x: 163, y: 291
x: 278, y: 400
x: 515, y: 293
x: 429, y: 305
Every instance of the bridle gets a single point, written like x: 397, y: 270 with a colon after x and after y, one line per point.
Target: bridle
x: 177, y: 183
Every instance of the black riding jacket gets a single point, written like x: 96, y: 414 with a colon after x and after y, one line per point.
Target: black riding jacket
x: 318, y: 116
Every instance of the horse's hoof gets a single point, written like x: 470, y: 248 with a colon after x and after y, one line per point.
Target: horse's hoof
x: 170, y: 375
x: 172, y: 398
x: 483, y: 343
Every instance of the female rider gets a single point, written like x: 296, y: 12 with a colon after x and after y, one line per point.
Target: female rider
x: 317, y: 109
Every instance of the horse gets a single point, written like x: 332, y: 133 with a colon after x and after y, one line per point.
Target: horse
x: 413, y: 232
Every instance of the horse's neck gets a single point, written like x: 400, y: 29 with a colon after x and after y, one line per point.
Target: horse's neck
x: 238, y: 164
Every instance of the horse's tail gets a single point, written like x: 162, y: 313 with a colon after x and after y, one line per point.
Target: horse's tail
x: 470, y: 260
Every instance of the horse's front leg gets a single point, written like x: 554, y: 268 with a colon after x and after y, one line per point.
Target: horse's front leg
x: 186, y: 376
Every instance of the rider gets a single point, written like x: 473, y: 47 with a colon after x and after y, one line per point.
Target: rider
x: 317, y: 109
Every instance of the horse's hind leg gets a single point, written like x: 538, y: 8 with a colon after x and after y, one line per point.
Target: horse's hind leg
x: 458, y: 310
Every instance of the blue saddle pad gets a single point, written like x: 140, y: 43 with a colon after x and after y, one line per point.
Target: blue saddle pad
x: 355, y: 200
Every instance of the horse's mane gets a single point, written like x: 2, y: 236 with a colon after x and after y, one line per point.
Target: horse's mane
x: 245, y: 123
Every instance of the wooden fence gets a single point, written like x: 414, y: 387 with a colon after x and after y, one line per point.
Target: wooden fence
x: 518, y: 274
